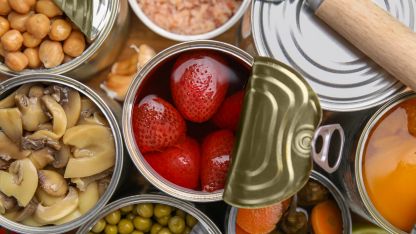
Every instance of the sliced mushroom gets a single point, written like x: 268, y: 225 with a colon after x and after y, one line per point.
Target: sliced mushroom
x: 103, y: 185
x: 52, y: 183
x: 30, y: 221
x: 36, y: 91
x: 20, y: 182
x: 4, y: 165
x: 11, y: 123
x: 62, y: 156
x: 9, y: 101
x: 9, y: 150
x: 88, y: 198
x: 27, y: 211
x: 59, y: 93
x: 45, y: 126
x: 82, y: 183
x: 72, y: 108
x: 32, y: 112
x: 96, y: 139
x: 46, y: 199
x: 73, y: 215
x: 41, y: 158
x: 32, y: 143
x: 50, y: 214
x: 6, y: 203
x: 90, y: 114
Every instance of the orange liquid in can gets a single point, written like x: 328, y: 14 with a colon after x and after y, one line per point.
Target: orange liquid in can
x: 389, y: 165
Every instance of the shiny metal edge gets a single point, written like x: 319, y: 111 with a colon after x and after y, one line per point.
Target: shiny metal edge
x: 14, y: 82
x: 132, y: 148
x: 380, y: 220
x: 150, y: 198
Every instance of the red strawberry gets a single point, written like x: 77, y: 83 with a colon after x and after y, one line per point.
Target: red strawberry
x: 199, y: 83
x: 228, y: 114
x: 216, y: 150
x: 156, y: 124
x: 179, y: 164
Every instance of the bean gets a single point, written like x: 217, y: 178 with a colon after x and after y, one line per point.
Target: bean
x: 38, y: 25
x: 74, y: 45
x: 48, y: 8
x: 4, y: 26
x: 32, y: 55
x: 60, y: 30
x: 4, y: 7
x: 12, y: 40
x: 20, y: 6
x: 51, y: 54
x: 16, y: 61
x: 30, y: 41
x: 18, y: 21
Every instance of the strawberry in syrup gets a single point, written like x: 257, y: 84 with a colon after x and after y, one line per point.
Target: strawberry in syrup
x: 228, y: 114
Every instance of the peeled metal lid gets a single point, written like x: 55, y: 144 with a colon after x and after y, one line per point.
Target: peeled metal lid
x: 271, y: 159
x: 344, y: 78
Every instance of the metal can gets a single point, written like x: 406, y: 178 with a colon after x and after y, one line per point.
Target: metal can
x: 100, y: 53
x: 6, y: 87
x: 205, y: 225
x: 336, y: 194
x: 344, y: 78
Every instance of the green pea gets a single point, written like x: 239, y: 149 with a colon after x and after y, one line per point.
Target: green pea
x: 156, y: 228
x: 163, y: 221
x: 176, y: 224
x: 126, y: 209
x: 90, y: 232
x: 162, y: 210
x: 99, y: 226
x: 180, y: 213
x: 113, y: 218
x: 164, y: 231
x: 190, y: 220
x: 145, y: 210
x: 137, y: 232
x: 110, y: 229
x: 142, y: 224
x: 187, y: 230
x: 130, y: 216
x: 125, y: 226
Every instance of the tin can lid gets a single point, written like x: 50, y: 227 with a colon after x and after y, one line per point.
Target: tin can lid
x: 343, y: 77
x: 271, y: 160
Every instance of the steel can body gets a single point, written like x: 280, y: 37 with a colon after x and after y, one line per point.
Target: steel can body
x: 6, y: 87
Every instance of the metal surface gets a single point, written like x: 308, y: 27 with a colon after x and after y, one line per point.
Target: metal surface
x: 343, y: 78
x: 100, y: 53
x: 271, y: 159
x: 205, y: 225
x: 321, y: 158
x: 336, y: 194
x: 134, y: 152
x: 8, y: 86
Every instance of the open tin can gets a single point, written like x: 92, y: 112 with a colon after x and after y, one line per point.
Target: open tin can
x: 8, y: 86
x: 101, y: 52
x: 205, y: 225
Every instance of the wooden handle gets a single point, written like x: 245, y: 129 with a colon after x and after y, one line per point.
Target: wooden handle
x: 381, y: 37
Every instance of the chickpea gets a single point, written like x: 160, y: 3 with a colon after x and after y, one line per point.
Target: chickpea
x: 60, y: 30
x: 4, y: 25
x: 38, y: 25
x: 12, y: 40
x: 30, y: 41
x: 4, y: 7
x: 16, y: 61
x: 2, y: 51
x: 18, y: 21
x: 74, y: 45
x: 51, y: 53
x: 48, y: 8
x: 32, y: 55
x: 20, y: 6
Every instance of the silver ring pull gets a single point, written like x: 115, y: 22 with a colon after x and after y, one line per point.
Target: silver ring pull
x: 321, y: 158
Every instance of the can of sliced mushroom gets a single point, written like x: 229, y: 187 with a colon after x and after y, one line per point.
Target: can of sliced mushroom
x: 230, y: 221
x: 67, y: 142
x: 111, y: 18
x: 204, y: 224
x: 344, y: 78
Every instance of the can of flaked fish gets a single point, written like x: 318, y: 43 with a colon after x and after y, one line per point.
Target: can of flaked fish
x: 75, y: 218
x: 230, y: 222
x: 205, y: 225
x: 113, y: 19
x: 344, y: 78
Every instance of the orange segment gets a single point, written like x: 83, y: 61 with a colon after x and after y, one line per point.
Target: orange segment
x: 260, y: 221
x: 326, y: 218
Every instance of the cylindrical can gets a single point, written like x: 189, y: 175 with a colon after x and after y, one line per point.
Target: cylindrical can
x: 135, y: 154
x: 100, y: 53
x: 344, y: 78
x: 336, y: 194
x: 8, y: 86
x: 205, y: 225
x: 349, y: 176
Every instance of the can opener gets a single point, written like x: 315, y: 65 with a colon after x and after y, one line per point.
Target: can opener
x: 375, y: 32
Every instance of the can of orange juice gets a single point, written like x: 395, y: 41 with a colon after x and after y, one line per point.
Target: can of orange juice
x: 376, y: 171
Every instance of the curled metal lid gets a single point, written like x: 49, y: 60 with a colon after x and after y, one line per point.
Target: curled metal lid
x: 271, y: 159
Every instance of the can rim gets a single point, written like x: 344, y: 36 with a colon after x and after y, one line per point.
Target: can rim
x: 14, y: 82
x: 110, y: 19
x: 152, y: 198
x: 134, y: 152
x: 380, y: 220
x: 337, y: 195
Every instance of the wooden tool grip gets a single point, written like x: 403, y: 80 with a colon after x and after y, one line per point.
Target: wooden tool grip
x: 381, y: 37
